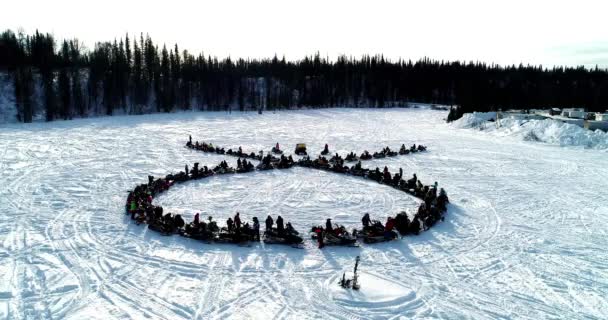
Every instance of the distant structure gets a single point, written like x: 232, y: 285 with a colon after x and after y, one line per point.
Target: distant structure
x: 575, y: 116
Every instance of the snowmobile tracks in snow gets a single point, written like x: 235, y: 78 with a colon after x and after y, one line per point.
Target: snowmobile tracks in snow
x: 139, y: 202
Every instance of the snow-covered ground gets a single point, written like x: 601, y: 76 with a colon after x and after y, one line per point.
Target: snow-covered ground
x: 525, y: 238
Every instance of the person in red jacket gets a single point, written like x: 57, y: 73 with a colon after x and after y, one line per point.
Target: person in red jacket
x: 390, y: 224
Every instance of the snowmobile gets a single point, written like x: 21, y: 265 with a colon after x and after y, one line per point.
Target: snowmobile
x: 200, y: 233
x: 379, y: 155
x: 340, y: 169
x: 225, y: 236
x: 245, y: 169
x: 365, y: 156
x: 421, y: 148
x: 351, y: 157
x: 404, y: 151
x: 301, y: 149
x: 338, y: 237
x: 284, y: 164
x: 305, y: 162
x: 374, y: 233
x: 289, y: 238
x: 276, y: 151
x: 220, y: 170
x: 321, y: 163
x: 162, y: 228
x: 359, y: 172
x: 391, y: 153
x: 374, y: 175
x: 262, y: 166
x: 402, y: 223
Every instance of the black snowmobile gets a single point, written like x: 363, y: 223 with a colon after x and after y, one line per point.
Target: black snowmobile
x: 291, y: 238
x: 365, y: 156
x: 404, y: 151
x: 374, y: 233
x: 338, y: 237
x: 379, y: 155
x: 198, y: 233
x: 276, y: 151
x: 221, y: 170
x: 264, y: 166
x: 351, y: 157
x: 241, y: 237
x: 163, y: 228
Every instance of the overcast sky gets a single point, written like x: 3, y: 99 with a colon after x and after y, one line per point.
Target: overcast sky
x: 506, y: 32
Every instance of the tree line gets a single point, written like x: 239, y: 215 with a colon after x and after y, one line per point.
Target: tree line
x: 134, y: 75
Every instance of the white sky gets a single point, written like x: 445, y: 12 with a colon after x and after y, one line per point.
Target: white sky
x: 539, y: 32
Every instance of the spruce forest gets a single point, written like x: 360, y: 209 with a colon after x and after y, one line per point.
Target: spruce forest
x: 134, y: 75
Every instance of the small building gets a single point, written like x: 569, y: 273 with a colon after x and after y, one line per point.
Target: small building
x: 601, y: 116
x: 555, y: 111
x: 577, y: 114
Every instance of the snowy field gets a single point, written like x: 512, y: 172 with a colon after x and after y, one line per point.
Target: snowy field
x: 524, y: 238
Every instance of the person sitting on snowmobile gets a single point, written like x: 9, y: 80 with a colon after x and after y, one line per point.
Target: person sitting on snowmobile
x: 415, y: 226
x: 366, y: 221
x: 442, y: 200
x: 212, y: 225
x: 280, y: 226
x: 390, y: 224
x: 178, y: 222
x: 256, y: 228
x: 319, y: 235
x: 196, y: 219
x: 269, y: 223
x: 237, y: 221
x: 411, y: 183
x: 325, y: 150
x: 365, y: 155
x: 289, y: 229
x: 328, y: 227
x: 230, y: 224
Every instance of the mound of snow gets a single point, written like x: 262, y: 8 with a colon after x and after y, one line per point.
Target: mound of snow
x: 374, y: 291
x: 546, y: 131
x: 474, y: 120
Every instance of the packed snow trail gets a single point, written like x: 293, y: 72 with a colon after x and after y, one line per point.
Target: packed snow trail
x: 524, y: 238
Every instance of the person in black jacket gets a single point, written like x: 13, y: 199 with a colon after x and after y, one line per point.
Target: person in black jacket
x: 269, y: 223
x: 280, y: 225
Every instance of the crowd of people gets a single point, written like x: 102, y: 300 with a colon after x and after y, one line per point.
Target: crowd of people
x: 434, y: 202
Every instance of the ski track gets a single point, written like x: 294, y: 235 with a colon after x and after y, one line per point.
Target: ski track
x: 524, y: 237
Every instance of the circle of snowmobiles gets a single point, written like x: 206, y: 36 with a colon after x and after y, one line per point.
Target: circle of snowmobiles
x: 139, y: 202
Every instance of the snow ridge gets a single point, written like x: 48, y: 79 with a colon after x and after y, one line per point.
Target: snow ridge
x: 547, y: 131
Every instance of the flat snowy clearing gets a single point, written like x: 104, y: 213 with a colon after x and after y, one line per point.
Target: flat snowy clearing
x: 525, y: 237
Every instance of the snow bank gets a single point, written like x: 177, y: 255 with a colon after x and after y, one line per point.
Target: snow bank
x: 474, y: 120
x: 547, y: 130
